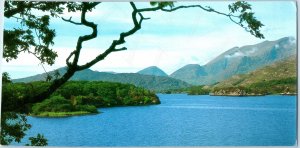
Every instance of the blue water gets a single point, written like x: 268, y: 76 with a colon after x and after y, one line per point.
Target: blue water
x: 179, y: 120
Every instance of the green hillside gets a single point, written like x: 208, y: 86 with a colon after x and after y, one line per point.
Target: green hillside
x: 277, y: 78
x: 190, y: 73
x: 156, y: 83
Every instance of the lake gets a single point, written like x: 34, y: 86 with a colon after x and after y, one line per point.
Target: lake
x: 180, y: 120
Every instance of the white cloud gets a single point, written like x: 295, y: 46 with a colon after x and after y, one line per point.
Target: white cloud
x: 241, y: 54
x: 292, y: 40
x: 251, y: 51
x: 234, y: 55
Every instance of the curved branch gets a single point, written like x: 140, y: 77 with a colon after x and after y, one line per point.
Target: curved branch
x: 72, y: 67
x: 121, y: 40
x: 70, y: 21
x: 68, y: 59
x: 84, y: 38
x: 209, y: 9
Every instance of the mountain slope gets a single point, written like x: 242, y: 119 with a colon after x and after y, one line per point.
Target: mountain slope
x: 189, y: 73
x: 280, y: 70
x: 240, y: 60
x: 152, y: 70
x: 156, y: 83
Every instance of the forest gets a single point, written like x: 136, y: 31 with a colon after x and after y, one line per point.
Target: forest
x: 76, y: 97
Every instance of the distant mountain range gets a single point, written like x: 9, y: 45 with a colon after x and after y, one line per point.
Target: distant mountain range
x: 237, y: 60
x: 156, y: 83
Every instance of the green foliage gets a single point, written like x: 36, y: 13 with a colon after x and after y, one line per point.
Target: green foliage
x: 246, y: 17
x: 39, y: 140
x: 106, y: 94
x: 83, y: 96
x: 70, y: 89
x: 281, y: 86
x: 54, y: 104
x: 162, y: 4
x: 21, y: 40
x: 58, y: 104
x: 238, y: 81
x: 275, y: 86
x: 291, y: 80
x: 13, y: 127
x: 74, y: 93
x: 34, y: 31
x: 5, y: 78
x: 63, y: 114
x: 15, y: 94
x: 87, y: 108
x: 193, y: 90
x: 198, y: 90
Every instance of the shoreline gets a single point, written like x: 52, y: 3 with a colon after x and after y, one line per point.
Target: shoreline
x: 250, y: 95
x: 62, y: 114
x: 79, y: 113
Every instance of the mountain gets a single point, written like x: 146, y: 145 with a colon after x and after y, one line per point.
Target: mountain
x: 277, y: 78
x: 238, y: 60
x: 156, y: 83
x: 152, y: 70
x: 189, y: 73
x: 279, y: 70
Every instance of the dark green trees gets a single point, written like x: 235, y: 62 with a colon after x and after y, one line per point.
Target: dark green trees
x: 39, y: 140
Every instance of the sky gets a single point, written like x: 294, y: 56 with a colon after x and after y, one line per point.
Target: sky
x: 167, y: 40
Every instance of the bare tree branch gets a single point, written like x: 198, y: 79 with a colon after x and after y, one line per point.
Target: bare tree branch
x: 121, y: 40
x: 208, y: 9
x: 67, y: 60
x: 120, y: 49
x: 70, y: 21
x: 72, y: 67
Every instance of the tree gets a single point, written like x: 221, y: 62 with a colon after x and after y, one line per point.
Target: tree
x: 13, y: 132
x: 21, y: 40
x: 35, y: 37
x: 6, y: 78
x: 39, y: 140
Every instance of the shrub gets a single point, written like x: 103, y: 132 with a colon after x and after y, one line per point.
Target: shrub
x: 54, y: 104
x: 88, y: 108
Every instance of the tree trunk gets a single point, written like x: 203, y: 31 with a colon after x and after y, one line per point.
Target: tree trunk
x: 53, y: 87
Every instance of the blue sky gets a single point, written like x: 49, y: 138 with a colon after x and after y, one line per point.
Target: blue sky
x: 167, y: 40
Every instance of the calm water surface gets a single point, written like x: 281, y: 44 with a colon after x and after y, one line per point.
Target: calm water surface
x: 179, y: 120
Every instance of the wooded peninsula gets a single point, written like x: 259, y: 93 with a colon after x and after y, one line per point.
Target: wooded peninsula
x: 76, y: 97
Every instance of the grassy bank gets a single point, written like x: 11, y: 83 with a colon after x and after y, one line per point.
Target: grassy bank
x: 63, y: 114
